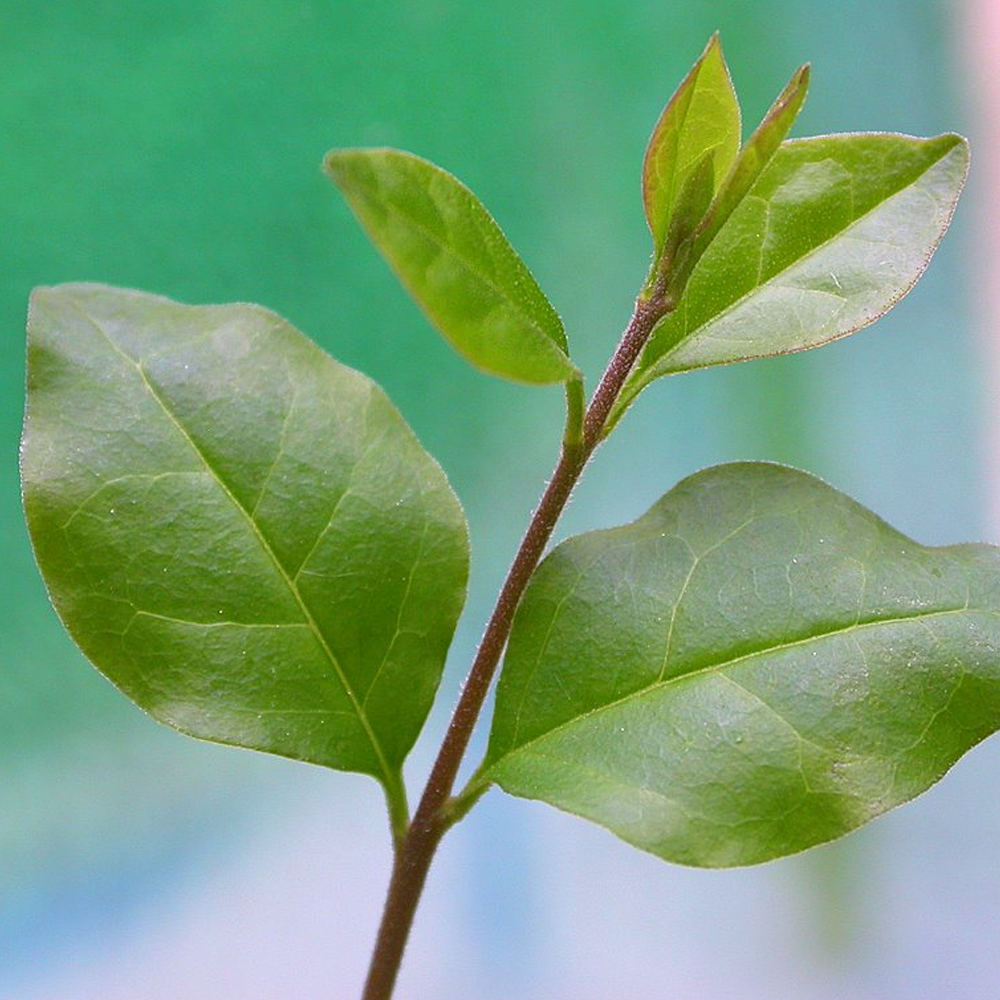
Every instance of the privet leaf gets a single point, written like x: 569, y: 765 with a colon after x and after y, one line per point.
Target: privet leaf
x: 455, y: 261
x: 241, y: 533
x: 757, y: 665
x: 689, y: 210
x: 753, y: 157
x: 702, y: 117
x: 835, y: 231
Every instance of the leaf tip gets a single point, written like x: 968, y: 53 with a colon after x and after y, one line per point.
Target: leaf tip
x: 712, y: 53
x: 954, y: 144
x: 954, y: 139
x: 335, y: 164
x: 790, y: 100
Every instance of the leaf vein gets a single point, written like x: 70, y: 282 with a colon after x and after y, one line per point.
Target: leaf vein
x: 388, y: 774
x: 736, y: 303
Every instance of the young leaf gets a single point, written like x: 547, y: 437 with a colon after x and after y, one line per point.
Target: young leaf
x: 241, y: 533
x: 689, y: 210
x: 750, y: 163
x: 835, y: 231
x: 455, y: 261
x: 703, y: 117
x: 757, y: 665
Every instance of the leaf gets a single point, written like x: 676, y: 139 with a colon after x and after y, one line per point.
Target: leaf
x: 241, y: 533
x: 692, y: 204
x: 454, y: 260
x: 755, y: 666
x: 702, y: 117
x: 755, y: 155
x: 836, y: 231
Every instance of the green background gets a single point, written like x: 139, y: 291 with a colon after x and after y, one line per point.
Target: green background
x: 175, y: 147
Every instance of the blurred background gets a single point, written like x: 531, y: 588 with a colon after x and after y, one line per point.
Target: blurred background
x: 175, y: 147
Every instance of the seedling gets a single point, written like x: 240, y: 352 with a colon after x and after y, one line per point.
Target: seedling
x: 246, y: 538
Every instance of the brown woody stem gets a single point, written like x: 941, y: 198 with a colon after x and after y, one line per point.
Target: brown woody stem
x: 431, y: 819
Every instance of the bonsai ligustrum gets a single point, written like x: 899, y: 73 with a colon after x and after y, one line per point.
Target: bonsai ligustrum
x: 246, y: 538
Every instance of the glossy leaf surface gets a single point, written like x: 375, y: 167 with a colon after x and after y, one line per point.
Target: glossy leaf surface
x: 757, y: 665
x: 241, y: 533
x: 835, y: 231
x: 455, y: 261
x: 702, y: 118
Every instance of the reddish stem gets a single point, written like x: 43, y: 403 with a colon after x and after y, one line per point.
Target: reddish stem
x: 415, y: 853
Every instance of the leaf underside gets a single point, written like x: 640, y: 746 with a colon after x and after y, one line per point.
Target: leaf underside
x: 241, y: 533
x: 455, y: 262
x: 757, y: 665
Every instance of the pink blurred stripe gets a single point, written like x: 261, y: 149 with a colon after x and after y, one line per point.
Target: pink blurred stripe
x: 979, y: 38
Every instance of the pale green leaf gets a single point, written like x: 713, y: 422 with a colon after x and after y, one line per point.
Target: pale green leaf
x: 757, y: 665
x: 455, y: 261
x: 835, y: 231
x: 753, y: 157
x: 241, y: 533
x: 702, y: 117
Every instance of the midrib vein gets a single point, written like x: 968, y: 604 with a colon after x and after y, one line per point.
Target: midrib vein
x: 727, y: 664
x: 262, y: 541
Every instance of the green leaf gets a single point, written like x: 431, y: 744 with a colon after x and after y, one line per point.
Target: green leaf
x: 455, y: 261
x: 836, y: 230
x: 755, y: 155
x: 241, y: 533
x: 689, y: 210
x: 757, y: 665
x: 703, y: 117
